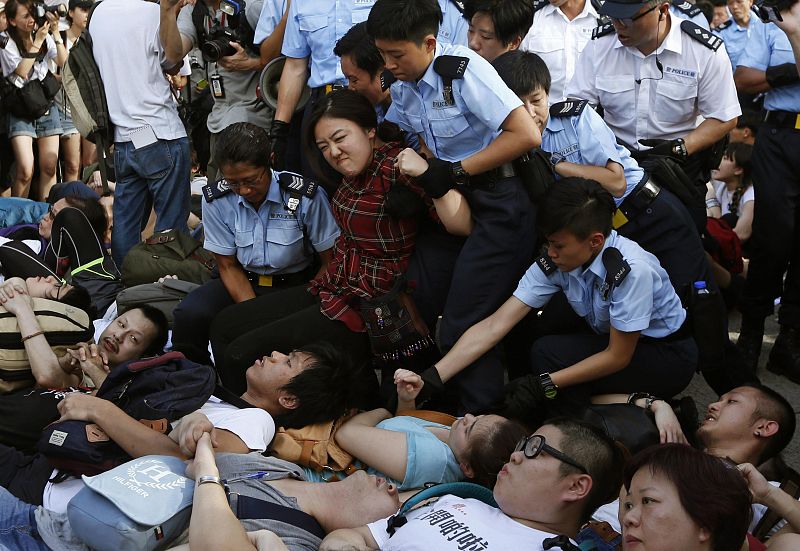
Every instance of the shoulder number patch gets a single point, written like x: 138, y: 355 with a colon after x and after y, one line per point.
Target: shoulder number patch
x: 704, y: 37
x: 569, y: 108
x: 546, y: 264
x: 297, y: 186
x: 686, y: 7
x: 617, y: 269
x: 603, y: 30
x: 450, y: 68
x: 215, y: 190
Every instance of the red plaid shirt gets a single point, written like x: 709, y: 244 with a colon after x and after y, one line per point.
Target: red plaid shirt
x: 373, y: 248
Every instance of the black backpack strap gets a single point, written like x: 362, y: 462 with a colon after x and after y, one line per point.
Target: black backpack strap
x: 617, y: 269
x: 246, y: 507
x: 450, y: 68
x: 229, y: 396
x: 703, y: 36
x: 199, y: 13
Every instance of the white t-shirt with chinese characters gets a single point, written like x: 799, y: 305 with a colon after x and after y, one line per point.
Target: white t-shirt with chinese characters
x: 458, y: 524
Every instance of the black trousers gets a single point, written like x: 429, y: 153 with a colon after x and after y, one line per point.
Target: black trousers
x: 283, y: 321
x: 194, y: 314
x: 24, y: 475
x: 775, y: 242
x: 485, y: 273
x: 662, y: 368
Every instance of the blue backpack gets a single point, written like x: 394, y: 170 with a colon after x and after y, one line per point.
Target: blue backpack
x: 155, y: 391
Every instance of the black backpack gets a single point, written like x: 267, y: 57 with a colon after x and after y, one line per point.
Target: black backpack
x: 155, y: 391
x: 83, y: 88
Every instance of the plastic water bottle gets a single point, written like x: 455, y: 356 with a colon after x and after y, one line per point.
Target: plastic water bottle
x: 700, y: 288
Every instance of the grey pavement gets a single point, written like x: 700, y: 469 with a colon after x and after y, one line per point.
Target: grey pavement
x: 703, y: 394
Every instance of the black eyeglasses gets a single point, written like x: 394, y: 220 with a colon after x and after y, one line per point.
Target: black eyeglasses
x: 535, y: 444
x: 628, y: 21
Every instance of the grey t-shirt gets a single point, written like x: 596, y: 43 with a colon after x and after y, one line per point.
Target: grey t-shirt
x: 235, y: 465
x: 240, y: 103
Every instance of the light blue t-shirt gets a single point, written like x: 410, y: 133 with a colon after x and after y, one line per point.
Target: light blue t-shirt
x: 312, y: 29
x: 270, y: 240
x: 454, y: 130
x: 586, y: 139
x: 428, y: 458
x: 644, y: 301
x: 768, y: 46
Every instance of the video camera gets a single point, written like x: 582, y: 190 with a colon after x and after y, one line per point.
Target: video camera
x: 39, y: 12
x: 770, y: 10
x: 217, y: 44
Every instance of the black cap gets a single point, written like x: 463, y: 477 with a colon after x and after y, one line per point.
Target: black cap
x: 85, y: 4
x: 622, y: 9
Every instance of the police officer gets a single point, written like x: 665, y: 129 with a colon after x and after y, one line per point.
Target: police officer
x: 736, y: 30
x: 232, y: 78
x: 689, y: 11
x: 767, y: 65
x: 312, y: 29
x: 496, y: 27
x: 264, y: 229
x: 581, y: 144
x: 654, y: 75
x: 473, y: 125
x: 638, y: 336
x: 560, y: 31
x: 453, y: 29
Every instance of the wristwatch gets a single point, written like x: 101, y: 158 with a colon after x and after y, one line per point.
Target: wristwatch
x: 549, y: 387
x: 556, y: 158
x: 679, y: 149
x: 460, y: 176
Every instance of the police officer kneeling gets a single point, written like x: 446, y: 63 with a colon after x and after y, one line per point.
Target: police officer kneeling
x: 264, y: 229
x: 638, y: 337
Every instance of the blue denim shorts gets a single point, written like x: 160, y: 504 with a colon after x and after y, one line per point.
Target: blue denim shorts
x: 67, y: 126
x: 46, y: 125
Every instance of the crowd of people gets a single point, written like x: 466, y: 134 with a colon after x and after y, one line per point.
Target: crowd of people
x: 476, y: 248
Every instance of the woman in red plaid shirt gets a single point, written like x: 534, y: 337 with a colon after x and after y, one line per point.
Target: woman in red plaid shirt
x: 378, y: 219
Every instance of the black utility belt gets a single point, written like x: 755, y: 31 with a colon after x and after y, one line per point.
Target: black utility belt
x: 640, y: 198
x: 493, y: 176
x: 327, y: 89
x: 279, y: 280
x: 782, y: 119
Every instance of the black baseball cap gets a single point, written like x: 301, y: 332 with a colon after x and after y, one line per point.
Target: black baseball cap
x: 623, y: 9
x: 85, y: 4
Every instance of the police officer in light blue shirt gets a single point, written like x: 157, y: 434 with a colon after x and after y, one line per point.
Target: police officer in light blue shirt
x: 736, y: 30
x: 637, y: 337
x: 312, y: 29
x: 687, y: 10
x: 454, y: 27
x: 474, y: 127
x: 265, y: 229
x: 581, y: 144
x: 767, y: 64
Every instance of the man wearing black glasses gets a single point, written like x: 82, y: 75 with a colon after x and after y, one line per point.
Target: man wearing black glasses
x: 654, y: 75
x: 551, y: 485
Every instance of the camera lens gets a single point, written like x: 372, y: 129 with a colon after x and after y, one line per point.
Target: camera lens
x: 215, y: 49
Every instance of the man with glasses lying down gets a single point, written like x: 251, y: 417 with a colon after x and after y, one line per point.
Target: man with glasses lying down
x: 550, y: 486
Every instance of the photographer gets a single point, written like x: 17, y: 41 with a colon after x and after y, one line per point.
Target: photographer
x: 34, y: 42
x: 223, y: 30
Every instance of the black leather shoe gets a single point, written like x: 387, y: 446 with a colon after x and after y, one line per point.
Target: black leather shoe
x: 750, y: 338
x: 784, y: 359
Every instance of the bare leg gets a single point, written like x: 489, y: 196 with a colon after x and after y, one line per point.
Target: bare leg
x: 48, y: 158
x: 71, y: 154
x: 23, y: 154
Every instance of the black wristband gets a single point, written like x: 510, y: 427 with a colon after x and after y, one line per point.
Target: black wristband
x: 782, y: 75
x: 438, y: 179
x: 432, y: 387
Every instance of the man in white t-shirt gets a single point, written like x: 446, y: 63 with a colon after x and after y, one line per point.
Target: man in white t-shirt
x: 135, y: 43
x: 549, y: 488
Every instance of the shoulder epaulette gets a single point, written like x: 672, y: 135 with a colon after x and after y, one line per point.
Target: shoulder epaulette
x: 617, y: 269
x: 539, y: 4
x: 546, y: 264
x: 723, y: 26
x: 459, y: 5
x: 603, y: 30
x: 297, y: 187
x: 450, y: 68
x: 569, y: 108
x: 703, y: 36
x: 387, y: 79
x: 686, y: 8
x: 215, y: 190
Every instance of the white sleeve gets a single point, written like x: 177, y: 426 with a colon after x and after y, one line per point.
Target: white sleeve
x: 253, y: 425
